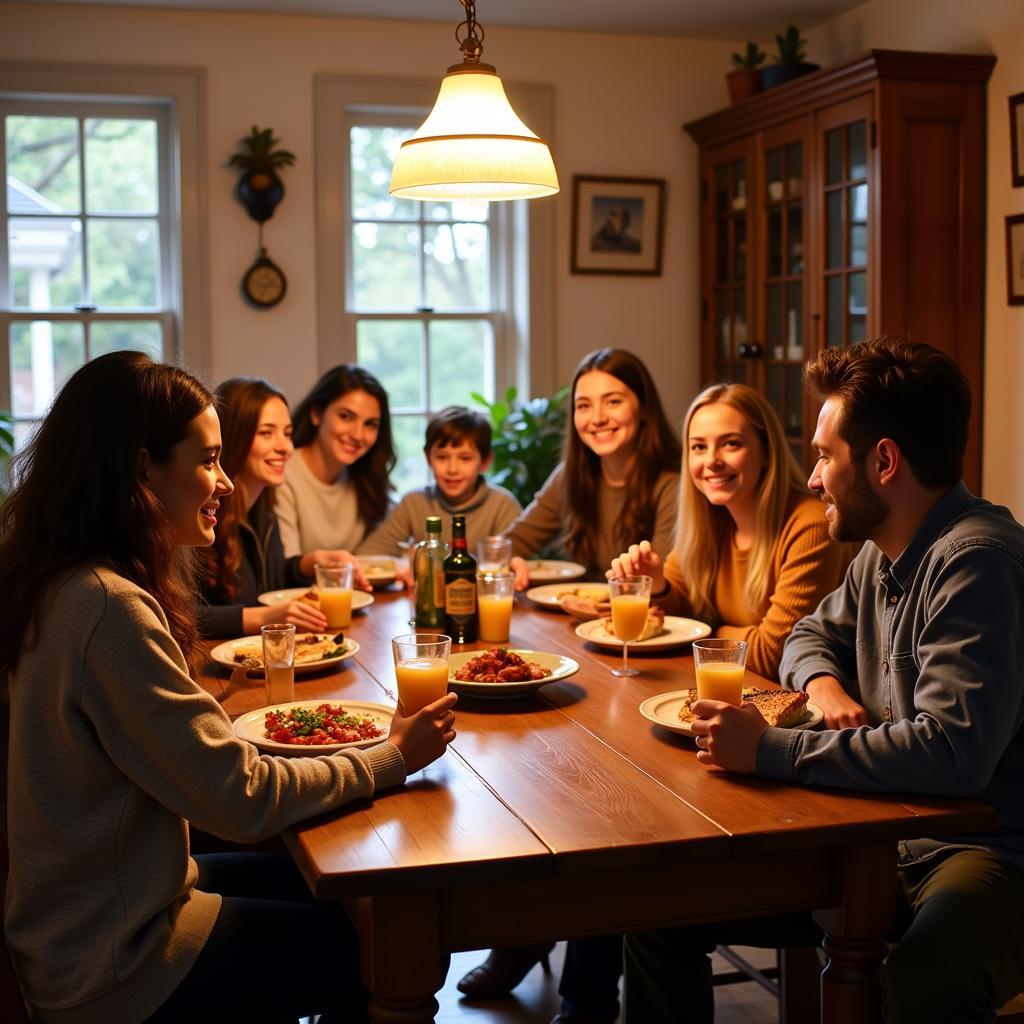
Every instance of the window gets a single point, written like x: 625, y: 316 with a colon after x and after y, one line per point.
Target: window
x: 435, y: 299
x: 94, y: 223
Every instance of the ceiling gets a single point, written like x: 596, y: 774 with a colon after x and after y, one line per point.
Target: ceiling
x: 709, y: 19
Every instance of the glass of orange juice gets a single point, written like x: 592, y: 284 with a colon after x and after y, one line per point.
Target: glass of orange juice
x: 334, y: 589
x: 720, y: 665
x: 279, y: 661
x: 421, y: 668
x: 630, y: 597
x: 494, y: 597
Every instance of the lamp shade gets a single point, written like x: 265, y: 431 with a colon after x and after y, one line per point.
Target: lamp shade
x: 473, y: 145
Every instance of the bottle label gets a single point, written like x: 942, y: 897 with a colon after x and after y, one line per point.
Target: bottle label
x: 460, y: 597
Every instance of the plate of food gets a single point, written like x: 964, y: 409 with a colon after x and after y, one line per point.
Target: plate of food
x: 661, y: 632
x: 550, y: 570
x: 360, y: 598
x: 312, y: 651
x: 380, y: 570
x: 581, y: 600
x: 305, y: 728
x: 500, y: 673
x: 785, y: 709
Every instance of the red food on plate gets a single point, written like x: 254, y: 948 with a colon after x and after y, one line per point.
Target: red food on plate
x: 500, y: 665
x: 326, y: 723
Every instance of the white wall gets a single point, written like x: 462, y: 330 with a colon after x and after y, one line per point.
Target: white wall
x: 978, y: 26
x: 619, y: 106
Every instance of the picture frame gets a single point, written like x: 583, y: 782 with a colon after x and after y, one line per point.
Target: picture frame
x: 617, y: 225
x: 1015, y: 259
x: 1017, y: 139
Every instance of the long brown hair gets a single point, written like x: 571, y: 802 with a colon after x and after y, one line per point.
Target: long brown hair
x: 240, y: 401
x: 657, y: 452
x: 370, y: 474
x: 80, y: 496
x: 703, y: 526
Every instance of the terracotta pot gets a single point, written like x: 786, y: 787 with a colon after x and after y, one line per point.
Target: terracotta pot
x: 776, y: 74
x: 743, y: 83
x: 259, y: 192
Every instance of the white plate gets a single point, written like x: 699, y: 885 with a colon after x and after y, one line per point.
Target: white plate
x: 678, y: 631
x: 224, y: 654
x: 560, y: 667
x: 547, y: 570
x: 664, y: 710
x: 360, y: 598
x: 251, y: 726
x: 547, y: 596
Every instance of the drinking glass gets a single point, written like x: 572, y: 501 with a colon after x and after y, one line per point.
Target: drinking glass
x: 279, y: 661
x: 630, y: 599
x: 493, y: 555
x: 494, y: 595
x: 421, y: 668
x: 334, y: 589
x: 720, y: 665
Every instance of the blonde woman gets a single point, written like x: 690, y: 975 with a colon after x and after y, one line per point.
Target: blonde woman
x: 752, y: 553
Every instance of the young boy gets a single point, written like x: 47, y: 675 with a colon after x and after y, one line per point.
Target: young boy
x: 458, y: 449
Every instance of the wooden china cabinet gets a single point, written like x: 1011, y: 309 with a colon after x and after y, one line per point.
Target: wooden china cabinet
x: 845, y: 204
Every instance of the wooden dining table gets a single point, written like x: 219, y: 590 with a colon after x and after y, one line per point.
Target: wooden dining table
x: 567, y: 813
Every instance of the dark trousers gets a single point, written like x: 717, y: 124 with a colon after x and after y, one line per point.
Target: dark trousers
x: 590, y: 977
x: 959, y: 925
x: 274, y: 954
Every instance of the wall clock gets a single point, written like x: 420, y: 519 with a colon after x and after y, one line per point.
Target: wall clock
x: 264, y: 284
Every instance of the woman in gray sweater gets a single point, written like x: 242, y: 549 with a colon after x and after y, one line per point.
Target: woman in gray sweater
x: 115, y: 750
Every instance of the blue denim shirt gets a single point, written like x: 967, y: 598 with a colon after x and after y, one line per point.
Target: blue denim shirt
x: 932, y: 645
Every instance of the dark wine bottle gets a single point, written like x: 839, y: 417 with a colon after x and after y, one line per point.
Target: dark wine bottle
x: 460, y: 587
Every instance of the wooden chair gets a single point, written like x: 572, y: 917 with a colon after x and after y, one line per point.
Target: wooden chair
x: 794, y: 980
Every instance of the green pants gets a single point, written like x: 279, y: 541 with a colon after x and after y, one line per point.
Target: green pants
x: 960, y: 952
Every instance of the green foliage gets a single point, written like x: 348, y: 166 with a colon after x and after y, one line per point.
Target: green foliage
x: 258, y: 154
x: 527, y: 440
x: 6, y: 449
x: 790, y: 47
x: 750, y: 58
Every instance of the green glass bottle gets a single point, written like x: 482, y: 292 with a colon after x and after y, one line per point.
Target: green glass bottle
x: 428, y: 572
x: 460, y: 587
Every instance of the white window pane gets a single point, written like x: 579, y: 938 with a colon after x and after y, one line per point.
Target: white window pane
x: 457, y: 258
x: 46, y: 262
x: 372, y: 151
x: 460, y: 358
x: 392, y: 350
x: 124, y: 259
x: 126, y: 335
x: 43, y: 354
x: 42, y: 165
x: 121, y: 166
x: 458, y: 209
x: 385, y: 258
x: 411, y: 469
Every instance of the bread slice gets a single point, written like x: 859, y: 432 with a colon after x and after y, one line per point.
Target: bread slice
x: 780, y: 708
x: 654, y: 626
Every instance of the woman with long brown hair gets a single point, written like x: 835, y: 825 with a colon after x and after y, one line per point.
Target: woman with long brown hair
x: 336, y: 490
x: 115, y: 750
x: 247, y: 557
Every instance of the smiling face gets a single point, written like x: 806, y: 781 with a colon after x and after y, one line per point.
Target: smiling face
x: 606, y: 414
x: 271, y: 448
x: 725, y: 456
x: 456, y: 468
x: 191, y: 484
x: 347, y: 428
x: 853, y: 510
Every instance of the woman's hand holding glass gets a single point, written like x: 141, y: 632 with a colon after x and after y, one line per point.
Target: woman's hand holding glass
x: 423, y: 737
x: 640, y: 560
x: 336, y: 557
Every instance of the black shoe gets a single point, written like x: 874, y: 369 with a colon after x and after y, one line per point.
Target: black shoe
x: 503, y: 970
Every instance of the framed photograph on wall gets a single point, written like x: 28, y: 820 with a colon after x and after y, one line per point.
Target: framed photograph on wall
x: 1017, y: 138
x: 617, y: 225
x: 1015, y: 259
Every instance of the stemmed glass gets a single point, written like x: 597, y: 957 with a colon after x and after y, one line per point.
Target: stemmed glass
x: 630, y: 599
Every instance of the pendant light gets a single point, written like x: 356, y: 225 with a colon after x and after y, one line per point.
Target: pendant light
x: 473, y: 145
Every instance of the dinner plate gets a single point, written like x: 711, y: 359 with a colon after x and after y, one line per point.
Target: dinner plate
x: 360, y: 598
x: 678, y: 631
x: 560, y: 667
x: 224, y: 654
x: 251, y: 726
x: 548, y: 570
x: 548, y: 595
x: 664, y: 710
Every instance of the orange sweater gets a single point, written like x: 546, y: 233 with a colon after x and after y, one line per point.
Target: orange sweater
x: 805, y: 566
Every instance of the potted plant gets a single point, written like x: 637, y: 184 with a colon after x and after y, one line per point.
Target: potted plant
x: 788, y: 61
x: 744, y: 80
x: 259, y: 189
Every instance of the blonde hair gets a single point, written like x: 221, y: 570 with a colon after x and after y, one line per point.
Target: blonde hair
x: 702, y: 526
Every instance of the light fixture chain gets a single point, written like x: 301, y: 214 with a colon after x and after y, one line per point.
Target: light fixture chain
x: 473, y: 45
